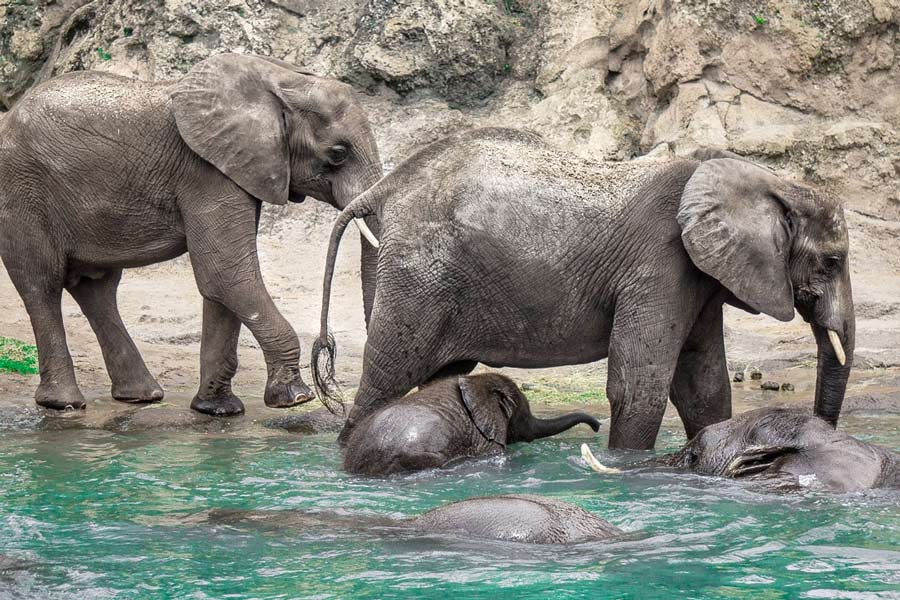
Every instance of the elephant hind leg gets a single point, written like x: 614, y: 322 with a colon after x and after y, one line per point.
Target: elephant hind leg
x: 131, y: 380
x: 37, y: 270
x: 218, y: 362
x: 700, y: 389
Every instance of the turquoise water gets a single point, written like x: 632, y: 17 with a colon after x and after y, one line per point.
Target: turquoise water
x: 93, y: 514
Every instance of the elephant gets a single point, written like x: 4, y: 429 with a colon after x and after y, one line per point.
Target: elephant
x: 519, y: 518
x: 792, y: 447
x: 498, y: 249
x: 450, y: 419
x: 99, y: 173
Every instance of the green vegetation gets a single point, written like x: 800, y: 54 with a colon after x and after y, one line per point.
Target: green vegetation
x: 17, y: 357
x: 127, y: 31
x: 759, y: 19
x: 103, y: 54
x: 570, y: 390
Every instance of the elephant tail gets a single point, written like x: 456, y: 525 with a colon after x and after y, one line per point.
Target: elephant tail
x: 324, y: 348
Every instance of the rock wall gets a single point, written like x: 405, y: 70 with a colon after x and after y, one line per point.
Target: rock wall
x: 811, y: 88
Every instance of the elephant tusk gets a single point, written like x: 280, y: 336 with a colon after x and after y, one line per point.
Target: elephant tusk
x: 367, y: 233
x: 835, y: 340
x: 595, y: 464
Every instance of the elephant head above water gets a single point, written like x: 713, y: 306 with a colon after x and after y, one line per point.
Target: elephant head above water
x: 447, y: 420
x: 775, y: 245
x: 791, y: 447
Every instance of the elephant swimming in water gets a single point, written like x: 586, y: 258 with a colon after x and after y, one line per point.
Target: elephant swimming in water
x: 787, y: 447
x: 497, y: 248
x: 512, y: 517
x: 447, y: 420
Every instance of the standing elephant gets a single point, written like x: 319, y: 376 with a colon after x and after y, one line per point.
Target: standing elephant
x: 100, y: 173
x: 450, y: 419
x: 792, y: 447
x: 497, y: 248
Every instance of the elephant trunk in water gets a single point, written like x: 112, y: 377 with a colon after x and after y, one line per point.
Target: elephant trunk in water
x: 834, y: 325
x: 534, y: 428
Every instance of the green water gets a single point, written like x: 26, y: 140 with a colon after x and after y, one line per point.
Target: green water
x: 93, y: 514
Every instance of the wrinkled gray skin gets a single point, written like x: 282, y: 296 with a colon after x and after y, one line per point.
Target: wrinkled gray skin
x: 513, y: 518
x: 447, y: 420
x: 499, y: 249
x: 791, y: 447
x: 100, y: 173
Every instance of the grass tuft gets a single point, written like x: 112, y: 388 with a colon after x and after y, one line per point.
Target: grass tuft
x: 17, y: 357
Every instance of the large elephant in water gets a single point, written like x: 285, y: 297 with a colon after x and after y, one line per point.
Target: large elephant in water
x: 448, y: 420
x: 100, y: 173
x: 497, y: 248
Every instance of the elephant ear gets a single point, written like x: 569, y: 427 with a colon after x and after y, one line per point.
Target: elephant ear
x: 485, y: 406
x: 733, y: 227
x: 228, y: 110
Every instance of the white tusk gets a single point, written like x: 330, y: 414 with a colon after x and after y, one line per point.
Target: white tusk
x: 367, y: 233
x: 595, y: 464
x: 838, y: 348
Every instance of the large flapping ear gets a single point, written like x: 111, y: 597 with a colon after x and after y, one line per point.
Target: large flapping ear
x: 228, y: 110
x: 733, y: 227
x: 481, y: 402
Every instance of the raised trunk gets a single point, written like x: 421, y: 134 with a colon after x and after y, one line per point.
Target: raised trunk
x: 537, y: 428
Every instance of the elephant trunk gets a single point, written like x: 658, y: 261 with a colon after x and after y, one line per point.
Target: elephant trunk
x: 535, y: 428
x: 834, y: 326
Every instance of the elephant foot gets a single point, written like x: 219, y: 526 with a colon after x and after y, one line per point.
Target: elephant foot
x: 138, y: 393
x: 224, y: 404
x: 58, y: 397
x: 287, y: 389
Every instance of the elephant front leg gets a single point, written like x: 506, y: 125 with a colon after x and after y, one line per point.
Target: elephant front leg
x: 700, y: 388
x: 222, y: 245
x: 642, y: 356
x: 218, y: 362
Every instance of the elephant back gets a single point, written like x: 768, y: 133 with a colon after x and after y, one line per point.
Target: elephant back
x: 518, y: 518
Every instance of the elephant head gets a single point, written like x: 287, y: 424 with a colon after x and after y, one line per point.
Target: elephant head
x: 776, y: 246
x: 501, y: 412
x: 280, y: 134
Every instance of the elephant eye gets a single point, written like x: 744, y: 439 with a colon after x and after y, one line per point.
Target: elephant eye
x: 832, y: 264
x: 337, y: 155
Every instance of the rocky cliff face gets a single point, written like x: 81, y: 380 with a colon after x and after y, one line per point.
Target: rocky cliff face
x: 811, y: 88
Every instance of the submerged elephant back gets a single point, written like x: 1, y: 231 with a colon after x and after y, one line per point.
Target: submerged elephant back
x: 518, y: 518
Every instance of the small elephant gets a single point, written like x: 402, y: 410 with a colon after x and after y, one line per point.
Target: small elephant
x: 449, y: 419
x: 497, y: 248
x: 511, y: 517
x: 791, y: 447
x: 100, y: 173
